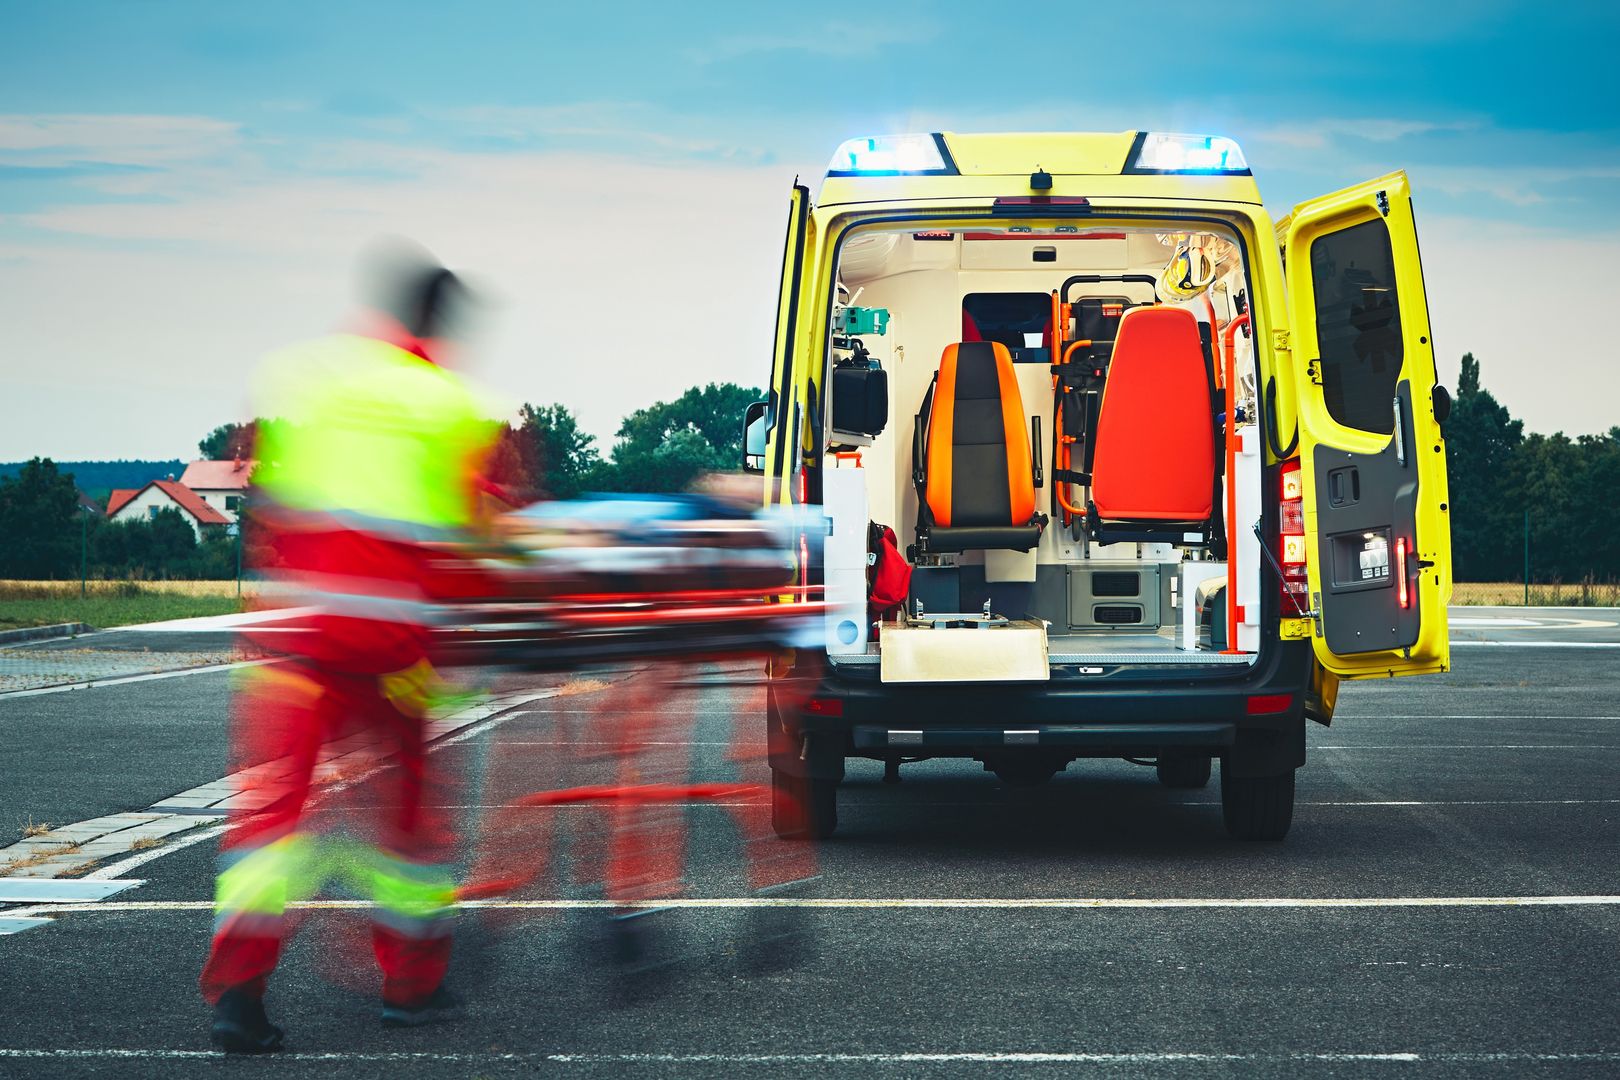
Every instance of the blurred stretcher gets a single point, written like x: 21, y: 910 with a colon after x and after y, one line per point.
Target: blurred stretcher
x: 615, y: 578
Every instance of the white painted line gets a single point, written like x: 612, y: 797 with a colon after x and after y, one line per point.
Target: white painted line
x: 93, y: 683
x: 1543, y: 644
x: 887, y: 903
x: 234, y: 621
x: 59, y: 890
x: 1470, y: 746
x: 499, y: 711
x: 10, y: 924
x: 1468, y: 716
x: 867, y: 1060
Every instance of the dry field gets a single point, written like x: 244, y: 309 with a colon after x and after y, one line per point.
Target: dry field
x: 1512, y: 593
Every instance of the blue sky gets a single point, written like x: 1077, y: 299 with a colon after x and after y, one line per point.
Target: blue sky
x: 180, y: 182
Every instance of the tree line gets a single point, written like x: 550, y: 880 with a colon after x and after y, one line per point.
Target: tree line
x: 1502, y: 480
x: 1500, y: 477
x: 44, y: 533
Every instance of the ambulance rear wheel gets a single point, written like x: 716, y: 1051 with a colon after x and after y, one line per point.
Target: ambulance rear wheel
x: 803, y: 808
x: 1183, y: 772
x: 1257, y: 807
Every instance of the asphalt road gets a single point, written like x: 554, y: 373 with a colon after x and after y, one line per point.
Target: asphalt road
x: 1500, y: 780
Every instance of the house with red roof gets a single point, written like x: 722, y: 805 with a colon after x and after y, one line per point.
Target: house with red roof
x: 220, y: 484
x: 139, y: 504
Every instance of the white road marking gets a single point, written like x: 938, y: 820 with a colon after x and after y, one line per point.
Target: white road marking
x: 234, y: 621
x: 988, y: 1057
x: 1543, y: 644
x: 1468, y: 716
x: 93, y: 683
x: 499, y: 710
x: 886, y: 903
x: 1523, y: 622
x: 1470, y: 746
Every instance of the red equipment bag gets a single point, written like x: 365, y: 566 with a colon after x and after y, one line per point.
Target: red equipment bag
x: 888, y: 575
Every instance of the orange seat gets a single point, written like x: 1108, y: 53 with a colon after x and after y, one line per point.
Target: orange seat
x: 971, y: 457
x: 1153, y: 471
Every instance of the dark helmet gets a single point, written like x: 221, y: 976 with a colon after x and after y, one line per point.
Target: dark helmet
x: 409, y: 284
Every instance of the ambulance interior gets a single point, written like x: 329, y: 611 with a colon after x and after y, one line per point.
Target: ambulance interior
x: 1069, y: 435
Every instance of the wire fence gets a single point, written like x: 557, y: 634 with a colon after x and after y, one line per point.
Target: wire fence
x: 1588, y: 593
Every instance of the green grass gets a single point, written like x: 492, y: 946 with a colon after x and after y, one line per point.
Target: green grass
x: 121, y: 606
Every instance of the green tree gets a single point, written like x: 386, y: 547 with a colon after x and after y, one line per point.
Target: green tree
x: 161, y: 546
x: 229, y: 441
x: 1596, y: 535
x: 559, y: 455
x: 39, y: 525
x: 1481, y: 444
x: 669, y: 444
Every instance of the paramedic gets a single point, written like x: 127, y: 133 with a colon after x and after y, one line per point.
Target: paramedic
x: 366, y: 496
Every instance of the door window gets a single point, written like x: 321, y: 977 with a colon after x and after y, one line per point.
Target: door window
x: 1358, y: 324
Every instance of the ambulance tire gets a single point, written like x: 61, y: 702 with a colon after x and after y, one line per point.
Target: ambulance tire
x: 803, y: 808
x: 1184, y: 772
x: 1257, y: 807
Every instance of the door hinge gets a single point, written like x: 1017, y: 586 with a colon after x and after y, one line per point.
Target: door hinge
x: 1313, y: 370
x: 1383, y: 203
x: 1315, y: 613
x: 1280, y: 341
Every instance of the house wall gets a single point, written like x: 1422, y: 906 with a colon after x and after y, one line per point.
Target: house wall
x: 143, y: 505
x: 216, y: 497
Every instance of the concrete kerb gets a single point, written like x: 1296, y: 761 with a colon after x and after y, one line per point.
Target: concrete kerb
x: 43, y: 633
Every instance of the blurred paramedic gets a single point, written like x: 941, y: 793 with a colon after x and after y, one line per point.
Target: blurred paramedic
x: 367, y: 489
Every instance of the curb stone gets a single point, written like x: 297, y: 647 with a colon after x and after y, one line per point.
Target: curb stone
x: 39, y: 633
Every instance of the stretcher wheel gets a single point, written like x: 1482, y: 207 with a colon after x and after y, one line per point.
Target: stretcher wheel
x: 803, y: 808
x: 1183, y: 772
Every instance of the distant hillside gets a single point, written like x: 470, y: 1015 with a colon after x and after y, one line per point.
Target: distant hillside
x: 97, y: 478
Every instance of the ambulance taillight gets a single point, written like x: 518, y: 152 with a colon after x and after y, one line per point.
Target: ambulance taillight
x: 1295, y: 586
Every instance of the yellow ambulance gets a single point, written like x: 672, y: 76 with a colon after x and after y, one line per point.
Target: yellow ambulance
x: 1159, y: 470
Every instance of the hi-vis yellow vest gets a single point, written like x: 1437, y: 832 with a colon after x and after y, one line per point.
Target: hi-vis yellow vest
x: 365, y: 430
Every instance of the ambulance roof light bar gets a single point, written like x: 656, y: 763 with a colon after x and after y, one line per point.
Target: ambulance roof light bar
x: 1165, y: 152
x: 893, y: 155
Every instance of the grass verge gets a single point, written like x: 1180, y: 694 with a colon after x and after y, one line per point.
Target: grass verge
x: 112, y: 603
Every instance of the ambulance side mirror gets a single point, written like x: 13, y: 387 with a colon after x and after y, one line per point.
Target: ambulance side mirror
x: 756, y: 426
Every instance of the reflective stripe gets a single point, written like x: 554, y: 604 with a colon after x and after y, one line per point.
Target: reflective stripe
x: 414, y: 898
x: 257, y: 880
x: 366, y: 606
x: 421, y: 928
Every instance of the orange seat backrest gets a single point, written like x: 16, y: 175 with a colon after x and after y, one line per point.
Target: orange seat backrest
x: 978, y: 465
x: 1155, y: 441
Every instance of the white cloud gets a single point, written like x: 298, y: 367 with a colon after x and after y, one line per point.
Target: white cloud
x: 840, y: 38
x: 1323, y: 133
x: 618, y: 282
x: 615, y: 284
x: 73, y: 139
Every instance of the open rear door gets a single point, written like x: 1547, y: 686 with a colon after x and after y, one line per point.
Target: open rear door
x: 784, y: 409
x: 1377, y: 530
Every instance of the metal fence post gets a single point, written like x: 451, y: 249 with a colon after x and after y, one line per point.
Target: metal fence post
x: 1527, y: 556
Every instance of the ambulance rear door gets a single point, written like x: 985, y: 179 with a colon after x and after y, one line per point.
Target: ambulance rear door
x: 1373, y: 462
x: 784, y: 410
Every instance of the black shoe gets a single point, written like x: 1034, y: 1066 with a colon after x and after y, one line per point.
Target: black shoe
x: 240, y: 1026
x: 439, y: 1005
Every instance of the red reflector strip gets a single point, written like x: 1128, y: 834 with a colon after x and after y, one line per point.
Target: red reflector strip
x: 825, y: 706
x: 1400, y: 568
x: 1260, y: 704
